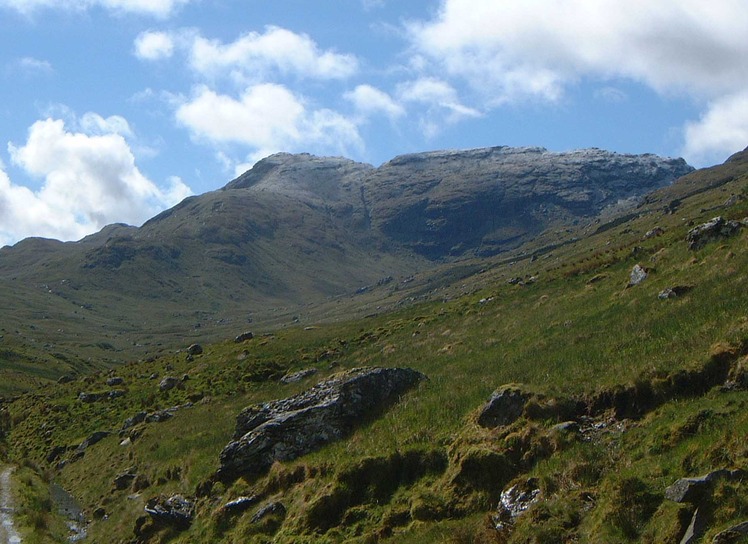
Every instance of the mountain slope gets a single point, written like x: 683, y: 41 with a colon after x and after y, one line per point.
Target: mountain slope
x: 297, y: 235
x: 617, y: 393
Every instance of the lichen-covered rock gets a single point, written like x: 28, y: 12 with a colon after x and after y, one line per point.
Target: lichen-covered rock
x: 298, y: 376
x: 638, y: 275
x: 514, y: 501
x: 285, y: 429
x: 710, y: 231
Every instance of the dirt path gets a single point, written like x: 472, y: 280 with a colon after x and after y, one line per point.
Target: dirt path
x: 8, y: 534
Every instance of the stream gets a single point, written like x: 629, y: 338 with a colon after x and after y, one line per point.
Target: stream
x: 69, y: 507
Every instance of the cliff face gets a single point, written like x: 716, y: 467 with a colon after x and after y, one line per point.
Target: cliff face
x: 445, y: 204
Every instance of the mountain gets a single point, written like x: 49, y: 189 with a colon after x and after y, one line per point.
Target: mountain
x: 300, y: 230
x: 587, y: 386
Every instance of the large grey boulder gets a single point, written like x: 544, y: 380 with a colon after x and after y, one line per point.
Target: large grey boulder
x: 285, y: 429
x: 710, y: 231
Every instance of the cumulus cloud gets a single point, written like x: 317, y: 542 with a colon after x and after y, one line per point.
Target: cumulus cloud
x: 716, y: 134
x: 441, y: 101
x: 255, y: 55
x: 89, y: 180
x: 369, y: 101
x: 509, y: 51
x: 266, y: 118
x: 153, y: 45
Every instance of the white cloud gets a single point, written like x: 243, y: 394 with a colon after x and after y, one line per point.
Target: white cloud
x: 534, y: 50
x: 369, y: 100
x: 33, y: 66
x: 253, y: 56
x: 720, y: 132
x: 441, y: 101
x: 153, y: 45
x: 157, y: 8
x: 266, y: 118
x: 89, y: 180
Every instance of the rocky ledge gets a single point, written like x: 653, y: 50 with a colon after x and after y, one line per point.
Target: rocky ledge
x: 285, y: 429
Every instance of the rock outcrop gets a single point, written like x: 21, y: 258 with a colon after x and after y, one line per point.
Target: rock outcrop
x: 285, y: 429
x: 710, y: 231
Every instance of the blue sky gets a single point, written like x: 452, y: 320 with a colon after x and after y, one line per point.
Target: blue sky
x: 112, y: 110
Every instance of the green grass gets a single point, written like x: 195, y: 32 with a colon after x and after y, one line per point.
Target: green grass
x: 574, y: 333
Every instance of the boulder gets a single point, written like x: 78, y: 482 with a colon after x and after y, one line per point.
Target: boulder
x: 692, y: 490
x: 514, y: 501
x: 674, y: 292
x: 115, y: 380
x: 710, y: 231
x: 243, y: 337
x: 94, y: 438
x: 240, y: 504
x: 638, y: 275
x: 273, y: 508
x: 169, y: 382
x: 124, y: 480
x: 695, y: 529
x: 733, y: 535
x: 504, y: 407
x: 194, y: 349
x: 285, y: 429
x: 176, y: 510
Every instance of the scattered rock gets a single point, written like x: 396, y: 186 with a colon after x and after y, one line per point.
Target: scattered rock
x: 692, y: 490
x: 100, y: 513
x: 273, y: 508
x: 240, y: 504
x: 710, y: 231
x: 65, y: 379
x: 285, y: 429
x: 140, y: 483
x: 158, y: 416
x: 674, y: 292
x: 733, y: 535
x: 243, y: 337
x: 134, y: 420
x: 195, y: 349
x: 695, y: 529
x: 657, y: 231
x: 92, y: 397
x: 115, y: 380
x: 514, y: 501
x: 96, y: 437
x: 298, y: 376
x: 638, y: 275
x: 175, y: 510
x: 504, y: 407
x: 169, y: 382
x: 124, y: 480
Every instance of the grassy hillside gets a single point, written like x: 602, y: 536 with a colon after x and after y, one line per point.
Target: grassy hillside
x: 643, y: 379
